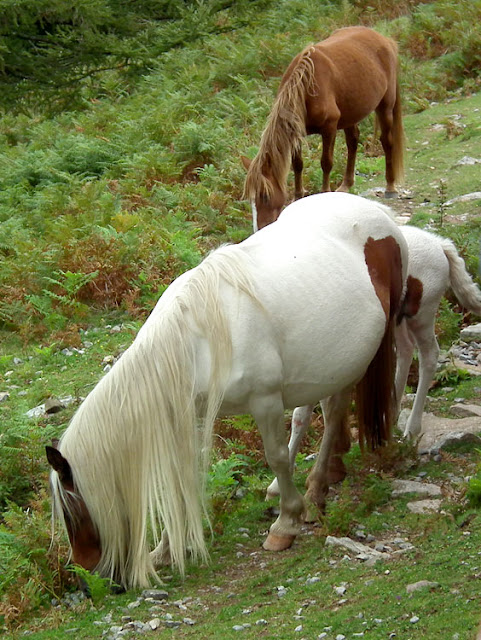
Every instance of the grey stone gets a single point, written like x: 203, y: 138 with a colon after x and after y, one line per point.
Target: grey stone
x: 459, y: 438
x: 401, y: 487
x: 466, y: 410
x: 467, y: 160
x: 53, y: 405
x: 155, y: 594
x: 467, y: 197
x: 154, y: 623
x: 424, y: 506
x: 363, y: 551
x: 421, y: 585
x: 473, y: 332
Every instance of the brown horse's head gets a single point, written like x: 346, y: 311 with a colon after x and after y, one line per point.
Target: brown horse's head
x: 266, y: 196
x: 83, y: 536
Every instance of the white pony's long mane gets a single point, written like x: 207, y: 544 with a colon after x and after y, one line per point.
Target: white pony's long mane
x: 137, y: 446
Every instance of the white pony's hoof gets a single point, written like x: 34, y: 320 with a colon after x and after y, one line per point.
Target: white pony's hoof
x: 271, y: 495
x: 274, y: 542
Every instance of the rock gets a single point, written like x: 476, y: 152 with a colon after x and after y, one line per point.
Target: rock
x: 467, y: 197
x: 362, y: 551
x: 473, y: 332
x: 41, y: 409
x: 467, y: 160
x: 457, y: 438
x: 401, y: 487
x: 421, y: 585
x: 466, y: 410
x: 189, y: 622
x: 424, y: 506
x: 172, y: 624
x: 403, y: 419
x: 155, y: 594
x: 4, y: 396
x: 53, y: 405
x: 154, y: 623
x: 435, y: 429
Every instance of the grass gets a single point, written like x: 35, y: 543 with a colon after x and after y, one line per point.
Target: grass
x: 241, y: 583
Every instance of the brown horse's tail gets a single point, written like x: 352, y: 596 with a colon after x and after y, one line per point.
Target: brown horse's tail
x: 376, y: 396
x: 398, y: 140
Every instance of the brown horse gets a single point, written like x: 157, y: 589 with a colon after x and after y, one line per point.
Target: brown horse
x: 329, y: 86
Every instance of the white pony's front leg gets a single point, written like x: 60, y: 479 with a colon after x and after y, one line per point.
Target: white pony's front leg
x: 268, y: 412
x: 161, y: 556
x: 301, y: 419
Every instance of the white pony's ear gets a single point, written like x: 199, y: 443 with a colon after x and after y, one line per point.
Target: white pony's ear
x: 60, y: 465
x: 246, y: 162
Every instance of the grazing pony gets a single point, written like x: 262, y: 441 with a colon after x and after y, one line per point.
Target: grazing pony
x: 304, y: 309
x: 434, y: 266
x: 328, y: 86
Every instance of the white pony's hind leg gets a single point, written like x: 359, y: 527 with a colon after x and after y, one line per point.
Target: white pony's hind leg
x: 268, y: 412
x: 428, y: 351
x: 301, y: 419
x: 405, y: 349
x: 334, y: 410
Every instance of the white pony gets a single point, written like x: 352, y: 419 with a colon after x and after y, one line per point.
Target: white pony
x: 303, y: 310
x: 434, y: 266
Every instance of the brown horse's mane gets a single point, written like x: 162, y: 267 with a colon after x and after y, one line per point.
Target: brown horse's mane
x: 284, y: 130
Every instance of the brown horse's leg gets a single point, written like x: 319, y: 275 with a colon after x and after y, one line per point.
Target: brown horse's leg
x: 352, y: 139
x: 386, y: 120
x: 297, y: 166
x: 327, y: 158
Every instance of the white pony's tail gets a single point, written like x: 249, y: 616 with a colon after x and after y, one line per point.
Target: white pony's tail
x: 465, y: 290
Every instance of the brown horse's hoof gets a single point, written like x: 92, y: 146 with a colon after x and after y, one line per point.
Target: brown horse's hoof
x: 391, y: 194
x: 274, y: 542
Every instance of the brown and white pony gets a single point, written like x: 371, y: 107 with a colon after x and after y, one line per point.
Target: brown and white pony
x: 303, y: 310
x: 328, y: 86
x: 434, y: 266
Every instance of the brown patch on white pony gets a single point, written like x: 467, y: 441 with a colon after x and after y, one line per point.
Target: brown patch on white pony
x: 412, y: 298
x: 383, y: 259
x: 375, y: 393
x: 83, y: 537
